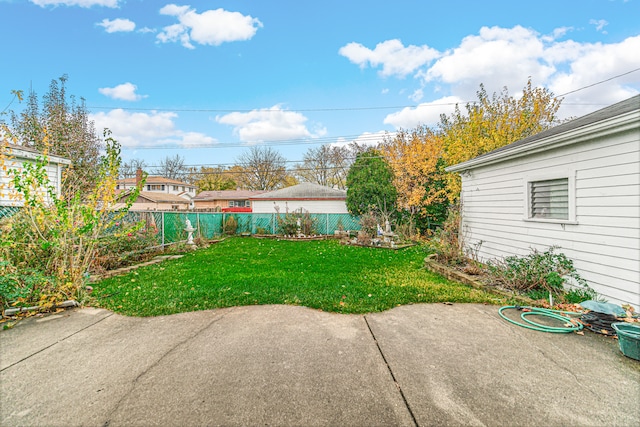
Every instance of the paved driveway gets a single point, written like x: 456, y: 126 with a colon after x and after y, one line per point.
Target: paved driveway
x: 427, y: 364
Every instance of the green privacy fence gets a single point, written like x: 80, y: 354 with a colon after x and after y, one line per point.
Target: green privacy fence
x: 171, y: 225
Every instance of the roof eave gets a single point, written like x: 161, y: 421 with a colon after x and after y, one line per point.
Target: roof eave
x: 617, y: 124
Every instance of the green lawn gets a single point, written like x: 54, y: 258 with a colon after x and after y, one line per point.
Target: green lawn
x: 317, y: 274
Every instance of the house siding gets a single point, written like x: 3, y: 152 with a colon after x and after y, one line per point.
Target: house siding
x: 54, y: 172
x: 604, y: 239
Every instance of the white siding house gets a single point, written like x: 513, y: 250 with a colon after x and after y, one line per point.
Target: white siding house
x: 310, y: 197
x: 17, y: 157
x: 576, y: 186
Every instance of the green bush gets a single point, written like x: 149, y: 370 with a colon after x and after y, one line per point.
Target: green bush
x: 21, y: 286
x: 49, y: 247
x: 540, y: 273
x: 296, y: 222
x: 118, y: 250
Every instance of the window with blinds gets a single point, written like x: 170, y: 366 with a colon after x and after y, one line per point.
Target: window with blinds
x: 549, y: 199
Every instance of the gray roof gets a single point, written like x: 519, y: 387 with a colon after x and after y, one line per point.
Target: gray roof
x: 32, y: 153
x: 305, y: 191
x: 622, y: 107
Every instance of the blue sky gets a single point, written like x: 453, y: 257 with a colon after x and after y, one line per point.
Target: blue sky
x: 207, y: 79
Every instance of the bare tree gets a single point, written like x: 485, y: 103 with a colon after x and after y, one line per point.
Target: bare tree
x: 326, y: 165
x: 263, y: 168
x: 128, y: 169
x: 172, y: 168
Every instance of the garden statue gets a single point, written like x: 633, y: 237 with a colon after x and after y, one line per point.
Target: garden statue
x: 189, y: 229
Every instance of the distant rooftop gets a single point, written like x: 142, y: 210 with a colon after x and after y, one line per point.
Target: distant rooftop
x: 154, y: 180
x: 226, y: 195
x: 305, y: 190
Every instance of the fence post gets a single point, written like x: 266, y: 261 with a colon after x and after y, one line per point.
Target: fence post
x: 162, y: 230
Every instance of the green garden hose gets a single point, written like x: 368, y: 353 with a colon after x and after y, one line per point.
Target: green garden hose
x: 535, y: 311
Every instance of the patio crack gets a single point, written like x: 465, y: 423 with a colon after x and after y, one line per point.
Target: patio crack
x: 56, y: 343
x: 153, y: 365
x: 393, y: 377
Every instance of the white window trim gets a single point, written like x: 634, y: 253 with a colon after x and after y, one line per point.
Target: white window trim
x: 569, y: 174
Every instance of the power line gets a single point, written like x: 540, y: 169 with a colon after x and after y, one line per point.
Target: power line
x: 384, y: 107
x: 275, y: 142
x: 597, y: 83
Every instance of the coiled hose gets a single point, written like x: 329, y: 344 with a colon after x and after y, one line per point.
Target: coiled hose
x: 553, y: 314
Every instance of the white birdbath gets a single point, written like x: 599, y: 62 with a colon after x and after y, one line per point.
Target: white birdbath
x: 189, y: 229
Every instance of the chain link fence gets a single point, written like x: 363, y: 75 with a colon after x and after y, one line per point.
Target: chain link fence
x: 8, y: 211
x: 171, y: 225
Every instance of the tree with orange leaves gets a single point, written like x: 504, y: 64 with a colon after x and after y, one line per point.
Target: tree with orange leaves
x: 416, y: 159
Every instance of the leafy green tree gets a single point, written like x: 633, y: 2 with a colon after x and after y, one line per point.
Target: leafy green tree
x: 370, y: 185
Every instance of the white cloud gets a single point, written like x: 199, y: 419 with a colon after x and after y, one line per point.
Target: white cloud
x: 497, y: 57
x: 125, y: 92
x: 81, y: 3
x: 269, y: 124
x: 148, y: 129
x: 211, y: 27
x: 596, y: 63
x: 117, y: 25
x: 365, y: 139
x: 600, y: 24
x: 427, y: 113
x: 506, y: 57
x: 417, y: 95
x: 395, y: 58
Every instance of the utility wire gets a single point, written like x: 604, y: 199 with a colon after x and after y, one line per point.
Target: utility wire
x: 597, y: 83
x: 385, y: 107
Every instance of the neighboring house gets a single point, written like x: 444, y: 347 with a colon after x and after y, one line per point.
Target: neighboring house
x: 153, y: 201
x: 18, y: 156
x: 159, y: 184
x: 310, y: 197
x: 225, y: 201
x: 576, y: 186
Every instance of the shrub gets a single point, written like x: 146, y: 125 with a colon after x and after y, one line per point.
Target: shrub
x: 230, y: 225
x: 547, y: 272
x: 446, y: 241
x: 49, y: 247
x: 368, y: 225
x: 117, y: 250
x: 298, y: 221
